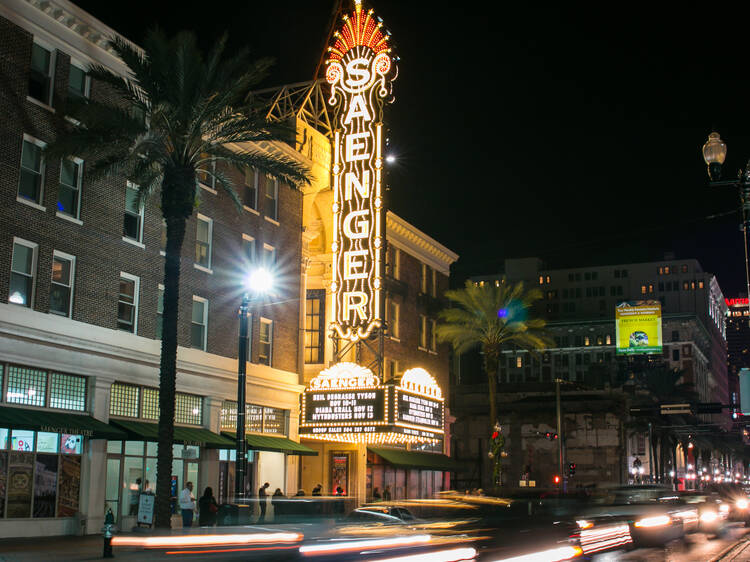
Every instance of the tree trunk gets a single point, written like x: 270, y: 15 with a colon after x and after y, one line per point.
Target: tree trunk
x: 177, y: 205
x: 490, y: 367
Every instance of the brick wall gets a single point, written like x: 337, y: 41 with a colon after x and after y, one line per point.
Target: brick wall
x: 101, y: 253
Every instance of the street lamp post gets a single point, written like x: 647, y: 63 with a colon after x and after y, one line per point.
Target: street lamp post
x: 257, y: 283
x: 714, y: 154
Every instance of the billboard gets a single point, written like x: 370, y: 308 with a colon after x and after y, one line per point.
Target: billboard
x: 638, y: 327
x: 360, y: 71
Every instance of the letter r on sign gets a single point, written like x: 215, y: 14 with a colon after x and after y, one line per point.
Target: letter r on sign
x: 355, y: 301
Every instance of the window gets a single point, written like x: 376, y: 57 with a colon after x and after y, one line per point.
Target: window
x: 203, y: 233
x: 79, y: 83
x: 684, y: 268
x: 519, y: 362
x: 150, y: 403
x: 608, y: 339
x: 69, y: 191
x: 124, y: 400
x: 199, y: 323
x: 676, y: 354
x: 40, y: 75
x: 541, y: 280
x: 163, y: 238
x: 188, y: 409
x: 207, y: 173
x: 700, y: 284
x: 159, y: 311
x: 433, y: 335
x: 422, y: 332
x: 392, y: 261
x: 248, y: 248
x: 250, y: 195
x: 61, y: 288
x: 392, y: 313
x: 314, y: 325
x: 265, y: 353
x: 67, y: 392
x: 127, y: 305
x: 133, y: 222
x: 22, y: 273
x: 30, y: 186
x: 26, y: 386
x: 272, y: 198
x: 586, y: 340
x: 269, y: 255
x: 433, y: 283
x: 391, y: 369
x: 644, y: 289
x: 426, y: 282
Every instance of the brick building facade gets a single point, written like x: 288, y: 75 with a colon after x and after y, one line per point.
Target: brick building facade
x: 80, y: 272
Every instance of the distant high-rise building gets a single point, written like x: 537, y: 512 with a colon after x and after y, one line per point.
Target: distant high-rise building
x: 738, y: 343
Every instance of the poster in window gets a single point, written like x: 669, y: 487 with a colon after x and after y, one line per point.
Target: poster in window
x: 45, y: 485
x: 20, y: 467
x: 71, y: 444
x: 3, y: 481
x: 339, y: 474
x: 70, y: 486
x: 22, y: 440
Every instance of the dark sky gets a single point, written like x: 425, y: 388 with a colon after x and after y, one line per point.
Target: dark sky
x: 563, y: 132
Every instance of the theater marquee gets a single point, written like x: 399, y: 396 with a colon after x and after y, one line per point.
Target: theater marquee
x: 347, y: 402
x: 360, y: 72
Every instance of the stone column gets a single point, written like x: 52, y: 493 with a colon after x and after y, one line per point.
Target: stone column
x: 94, y: 462
x: 209, y: 461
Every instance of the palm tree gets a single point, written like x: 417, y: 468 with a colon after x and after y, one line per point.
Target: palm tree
x: 175, y: 116
x: 492, y: 318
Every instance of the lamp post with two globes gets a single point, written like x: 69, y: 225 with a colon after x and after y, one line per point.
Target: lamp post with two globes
x: 258, y: 282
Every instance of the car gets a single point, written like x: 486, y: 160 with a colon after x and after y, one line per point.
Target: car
x: 653, y: 514
x: 704, y: 512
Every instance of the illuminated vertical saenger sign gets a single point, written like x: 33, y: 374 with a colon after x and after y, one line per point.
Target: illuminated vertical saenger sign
x: 360, y: 72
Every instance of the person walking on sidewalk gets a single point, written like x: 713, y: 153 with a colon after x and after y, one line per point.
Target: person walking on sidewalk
x: 262, y: 502
x: 207, y: 509
x: 187, y: 505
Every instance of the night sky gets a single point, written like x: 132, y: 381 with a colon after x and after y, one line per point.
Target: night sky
x: 571, y: 134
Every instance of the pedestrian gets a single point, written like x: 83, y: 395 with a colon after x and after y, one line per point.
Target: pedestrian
x: 262, y: 502
x: 207, y: 508
x: 300, y: 492
x: 317, y: 490
x: 339, y: 491
x: 276, y: 501
x: 135, y: 494
x: 187, y: 505
x: 376, y: 494
x: 387, y: 494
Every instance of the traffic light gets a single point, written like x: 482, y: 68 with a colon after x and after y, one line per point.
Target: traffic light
x: 550, y: 435
x: 556, y: 479
x: 571, y: 468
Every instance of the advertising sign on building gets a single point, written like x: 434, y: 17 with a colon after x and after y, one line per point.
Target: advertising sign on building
x: 360, y: 71
x: 638, y: 327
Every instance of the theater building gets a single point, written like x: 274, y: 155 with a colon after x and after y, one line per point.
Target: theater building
x: 376, y: 379
x: 81, y: 267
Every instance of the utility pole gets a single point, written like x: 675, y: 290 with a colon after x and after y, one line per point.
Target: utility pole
x: 560, y: 437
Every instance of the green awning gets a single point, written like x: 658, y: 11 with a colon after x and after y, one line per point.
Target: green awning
x: 410, y: 459
x: 58, y: 422
x: 275, y: 444
x: 183, y: 435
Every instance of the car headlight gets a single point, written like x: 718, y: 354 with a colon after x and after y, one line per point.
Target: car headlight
x: 742, y: 503
x: 724, y: 508
x: 583, y: 524
x: 656, y: 521
x: 709, y: 516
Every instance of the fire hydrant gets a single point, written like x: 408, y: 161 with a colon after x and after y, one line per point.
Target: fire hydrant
x: 109, y: 526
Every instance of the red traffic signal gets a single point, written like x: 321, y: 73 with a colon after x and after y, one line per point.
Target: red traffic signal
x: 556, y: 479
x: 551, y: 436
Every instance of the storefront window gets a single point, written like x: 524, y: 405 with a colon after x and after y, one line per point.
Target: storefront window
x: 131, y: 401
x: 259, y: 419
x: 40, y: 473
x: 131, y: 471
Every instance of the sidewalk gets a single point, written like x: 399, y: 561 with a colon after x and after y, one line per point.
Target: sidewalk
x: 89, y: 547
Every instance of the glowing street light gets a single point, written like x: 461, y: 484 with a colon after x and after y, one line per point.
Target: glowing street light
x: 258, y: 282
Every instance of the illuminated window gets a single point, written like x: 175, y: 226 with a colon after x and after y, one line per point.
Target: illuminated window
x: 685, y: 285
x: 159, y: 310
x: 393, y: 312
x: 22, y: 273
x: 132, y: 228
x: 541, y: 280
x: 609, y: 340
x: 272, y: 198
x: 692, y: 285
x: 26, y: 386
x: 314, y: 325
x: 519, y: 361
x: 67, y: 392
x: 265, y: 353
x: 228, y: 415
x: 586, y: 340
x: 124, y: 400
x: 79, y: 82
x: 700, y: 284
x: 650, y: 288
x: 127, y: 305
x: 69, y: 190
x: 423, y: 332
x: 548, y: 279
x: 274, y: 421
x: 599, y: 340
x: 150, y: 403
x: 188, y: 409
x: 31, y: 184
x: 40, y: 75
x: 250, y: 194
x: 61, y: 287
x: 199, y: 323
x: 643, y: 289
x: 203, y: 239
